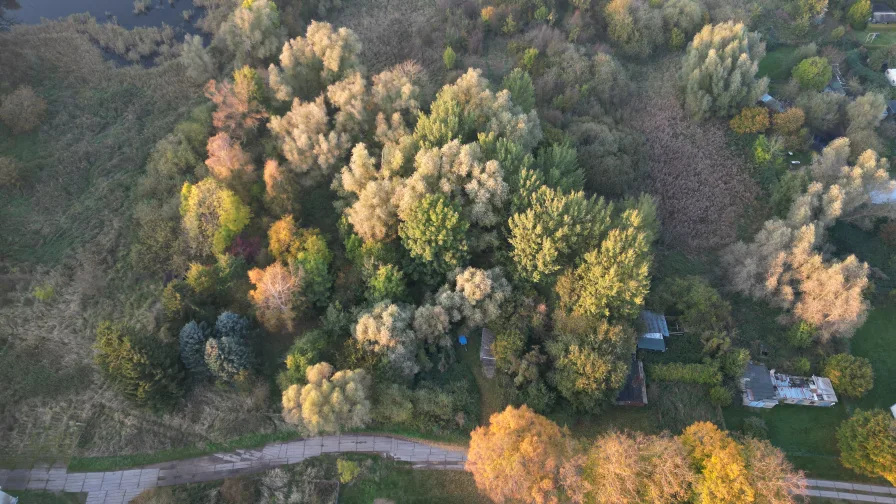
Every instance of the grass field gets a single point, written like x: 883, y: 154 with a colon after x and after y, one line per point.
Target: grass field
x: 777, y: 64
x: 400, y: 483
x: 35, y: 497
x: 886, y: 35
x: 876, y: 342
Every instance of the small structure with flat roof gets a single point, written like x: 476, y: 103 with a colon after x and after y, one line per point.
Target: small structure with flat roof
x: 771, y: 103
x: 634, y: 393
x: 882, y: 14
x: 757, y: 386
x: 653, y: 331
x: 766, y: 389
x: 486, y: 356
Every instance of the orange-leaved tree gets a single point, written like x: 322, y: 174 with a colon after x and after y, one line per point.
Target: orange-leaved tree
x: 518, y: 457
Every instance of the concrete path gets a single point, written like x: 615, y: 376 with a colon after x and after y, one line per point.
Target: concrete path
x: 119, y: 487
x: 853, y: 492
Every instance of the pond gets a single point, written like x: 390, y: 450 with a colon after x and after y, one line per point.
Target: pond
x: 158, y: 11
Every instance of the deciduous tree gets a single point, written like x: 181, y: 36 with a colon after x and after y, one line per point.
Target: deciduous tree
x: 329, y: 402
x: 434, y: 233
x: 851, y: 376
x: 276, y: 296
x: 311, y: 63
x: 719, y: 70
x: 517, y: 457
x: 813, y: 73
x: 252, y: 34
x: 591, y: 360
x: 867, y: 444
x: 212, y: 215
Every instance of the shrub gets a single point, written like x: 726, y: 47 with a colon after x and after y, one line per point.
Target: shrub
x: 22, y: 110
x: 703, y: 374
x: 720, y: 396
x: 750, y: 120
x: 9, y: 172
x: 801, y: 335
x: 838, y: 33
x: 851, y: 376
x: 142, y: 368
x: 44, y: 292
x: 755, y: 427
x: 887, y: 234
x: 813, y: 73
x: 304, y: 352
x: 800, y: 366
x: 348, y: 470
x: 449, y: 58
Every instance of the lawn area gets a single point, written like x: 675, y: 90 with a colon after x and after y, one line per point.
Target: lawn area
x: 806, y: 434
x: 398, y: 482
x: 876, y: 341
x: 35, y: 497
x: 777, y: 64
x: 887, y: 35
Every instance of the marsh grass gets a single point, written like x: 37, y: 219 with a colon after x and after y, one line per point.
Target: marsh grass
x: 68, y: 225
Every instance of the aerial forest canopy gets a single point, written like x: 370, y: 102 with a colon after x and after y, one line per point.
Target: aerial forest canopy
x: 562, y: 233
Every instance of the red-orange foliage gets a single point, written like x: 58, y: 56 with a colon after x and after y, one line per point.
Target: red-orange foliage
x: 750, y: 120
x: 237, y: 111
x: 226, y: 158
x: 701, y: 189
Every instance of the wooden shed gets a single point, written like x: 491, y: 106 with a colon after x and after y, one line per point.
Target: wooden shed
x: 486, y: 356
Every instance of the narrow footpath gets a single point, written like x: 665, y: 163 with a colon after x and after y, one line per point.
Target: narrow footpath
x: 119, y: 487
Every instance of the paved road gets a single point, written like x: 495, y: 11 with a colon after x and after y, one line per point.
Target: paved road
x: 119, y: 487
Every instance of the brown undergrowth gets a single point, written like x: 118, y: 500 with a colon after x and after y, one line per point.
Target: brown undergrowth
x: 702, y: 189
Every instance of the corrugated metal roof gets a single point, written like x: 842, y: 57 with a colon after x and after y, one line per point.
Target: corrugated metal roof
x: 647, y: 343
x: 655, y: 322
x: 816, y: 388
x: 757, y: 382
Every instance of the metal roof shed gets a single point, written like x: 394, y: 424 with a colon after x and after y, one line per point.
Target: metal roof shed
x: 654, y: 322
x: 758, y: 389
x: 652, y: 341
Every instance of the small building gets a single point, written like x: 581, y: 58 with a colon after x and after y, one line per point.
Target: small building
x: 5, y: 498
x: 765, y: 389
x: 653, y: 331
x: 758, y: 390
x: 486, y: 356
x: 772, y: 104
x: 882, y: 14
x: 634, y: 393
